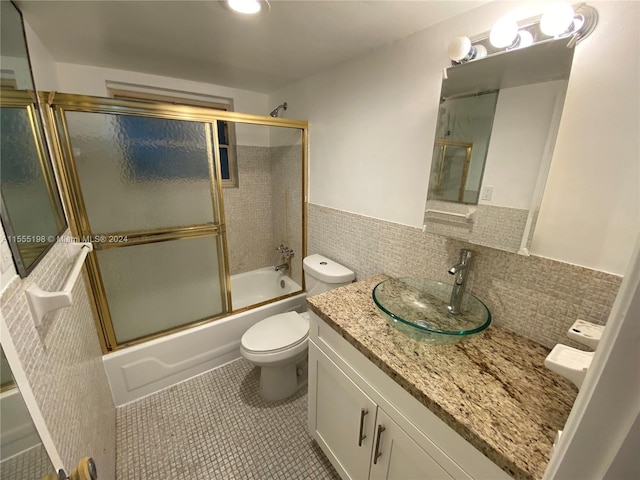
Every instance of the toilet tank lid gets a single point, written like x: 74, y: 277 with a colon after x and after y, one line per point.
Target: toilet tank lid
x: 327, y: 270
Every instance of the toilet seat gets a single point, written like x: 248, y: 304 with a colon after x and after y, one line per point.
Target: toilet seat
x: 276, y: 334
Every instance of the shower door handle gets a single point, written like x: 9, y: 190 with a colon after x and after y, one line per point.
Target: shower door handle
x: 361, y: 435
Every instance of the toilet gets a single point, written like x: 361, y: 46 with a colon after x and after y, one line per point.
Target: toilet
x: 278, y: 344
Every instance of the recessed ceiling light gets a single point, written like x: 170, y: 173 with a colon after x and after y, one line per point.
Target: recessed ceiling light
x: 248, y: 7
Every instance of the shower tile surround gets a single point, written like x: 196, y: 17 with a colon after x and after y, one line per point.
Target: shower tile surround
x: 532, y: 296
x: 264, y: 210
x: 286, y: 173
x: 216, y: 426
x: 248, y: 212
x: 63, y: 363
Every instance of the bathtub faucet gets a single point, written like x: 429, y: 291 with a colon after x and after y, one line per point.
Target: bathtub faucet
x: 286, y: 252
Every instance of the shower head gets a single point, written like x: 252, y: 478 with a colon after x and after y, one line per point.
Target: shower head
x: 275, y: 112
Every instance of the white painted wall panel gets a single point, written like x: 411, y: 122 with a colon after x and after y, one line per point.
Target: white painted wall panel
x: 372, y: 123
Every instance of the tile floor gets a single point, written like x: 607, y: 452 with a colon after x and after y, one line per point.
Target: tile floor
x: 216, y: 426
x: 29, y: 465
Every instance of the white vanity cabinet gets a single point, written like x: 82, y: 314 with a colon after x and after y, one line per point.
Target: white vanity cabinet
x: 371, y: 428
x: 344, y: 416
x: 398, y: 456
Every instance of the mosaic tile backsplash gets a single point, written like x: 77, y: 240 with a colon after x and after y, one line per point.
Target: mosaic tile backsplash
x: 492, y: 226
x: 532, y: 296
x: 63, y: 363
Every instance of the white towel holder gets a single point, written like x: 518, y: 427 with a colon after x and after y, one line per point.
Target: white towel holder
x: 41, y: 302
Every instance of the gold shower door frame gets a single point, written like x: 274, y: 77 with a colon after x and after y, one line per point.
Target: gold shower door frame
x: 443, y: 143
x: 55, y: 107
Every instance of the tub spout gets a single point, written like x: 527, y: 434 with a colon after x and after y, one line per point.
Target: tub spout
x: 284, y: 266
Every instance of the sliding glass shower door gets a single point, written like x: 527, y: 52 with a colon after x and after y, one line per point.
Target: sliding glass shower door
x: 144, y: 190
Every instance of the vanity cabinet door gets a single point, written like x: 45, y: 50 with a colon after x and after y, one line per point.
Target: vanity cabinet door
x: 341, y: 417
x: 397, y: 456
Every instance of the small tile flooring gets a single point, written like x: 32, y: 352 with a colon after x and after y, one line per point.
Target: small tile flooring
x: 28, y: 465
x: 216, y: 426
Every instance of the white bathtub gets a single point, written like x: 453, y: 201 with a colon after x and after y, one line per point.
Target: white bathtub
x: 17, y: 431
x: 141, y: 370
x: 259, y: 286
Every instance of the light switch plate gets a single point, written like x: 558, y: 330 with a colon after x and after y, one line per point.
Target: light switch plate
x: 487, y: 193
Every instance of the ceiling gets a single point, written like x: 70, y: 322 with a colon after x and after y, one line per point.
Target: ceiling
x: 205, y: 42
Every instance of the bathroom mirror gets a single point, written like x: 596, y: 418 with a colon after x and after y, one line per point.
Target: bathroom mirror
x: 497, y: 125
x: 22, y: 455
x: 31, y: 211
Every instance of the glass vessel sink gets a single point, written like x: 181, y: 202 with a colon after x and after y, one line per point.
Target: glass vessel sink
x: 418, y: 308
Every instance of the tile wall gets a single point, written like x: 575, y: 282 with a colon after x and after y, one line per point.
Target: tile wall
x: 266, y: 208
x: 497, y: 227
x: 248, y: 212
x: 286, y: 174
x: 63, y: 363
x: 535, y: 297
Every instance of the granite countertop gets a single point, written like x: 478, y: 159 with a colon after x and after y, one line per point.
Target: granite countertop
x: 492, y: 389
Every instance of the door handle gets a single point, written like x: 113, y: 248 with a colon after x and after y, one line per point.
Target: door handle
x: 376, y: 451
x: 361, y: 435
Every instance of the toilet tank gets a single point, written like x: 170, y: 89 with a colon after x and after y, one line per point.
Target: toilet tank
x: 322, y: 274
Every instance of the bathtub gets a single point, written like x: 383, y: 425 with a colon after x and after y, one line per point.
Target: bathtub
x: 143, y: 369
x: 260, y: 286
x: 17, y: 431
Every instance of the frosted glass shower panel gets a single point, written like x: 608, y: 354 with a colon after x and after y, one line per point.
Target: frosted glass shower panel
x: 156, y: 287
x: 142, y: 173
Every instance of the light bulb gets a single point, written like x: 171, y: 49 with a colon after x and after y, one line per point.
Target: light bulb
x: 526, y: 39
x: 247, y: 7
x: 504, y: 33
x: 557, y: 19
x: 459, y: 48
x: 481, y: 52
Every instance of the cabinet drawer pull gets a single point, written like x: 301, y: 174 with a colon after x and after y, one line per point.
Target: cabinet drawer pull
x: 361, y: 435
x: 376, y: 452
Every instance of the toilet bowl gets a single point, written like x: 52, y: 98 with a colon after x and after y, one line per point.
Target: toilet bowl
x: 278, y: 344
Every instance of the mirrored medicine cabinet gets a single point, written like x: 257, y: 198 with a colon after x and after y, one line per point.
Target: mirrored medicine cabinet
x: 497, y: 124
x: 31, y: 212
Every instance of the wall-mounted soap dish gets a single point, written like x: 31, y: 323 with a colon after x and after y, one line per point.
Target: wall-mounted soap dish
x: 586, y: 333
x: 569, y: 362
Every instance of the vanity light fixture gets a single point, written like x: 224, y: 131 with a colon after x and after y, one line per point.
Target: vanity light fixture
x: 561, y: 20
x: 557, y: 19
x: 461, y: 50
x: 504, y: 33
x: 247, y: 7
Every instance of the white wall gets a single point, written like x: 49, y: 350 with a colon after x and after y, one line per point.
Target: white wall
x: 372, y: 123
x: 43, y: 65
x: 520, y: 130
x: 88, y: 80
x: 590, y: 213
